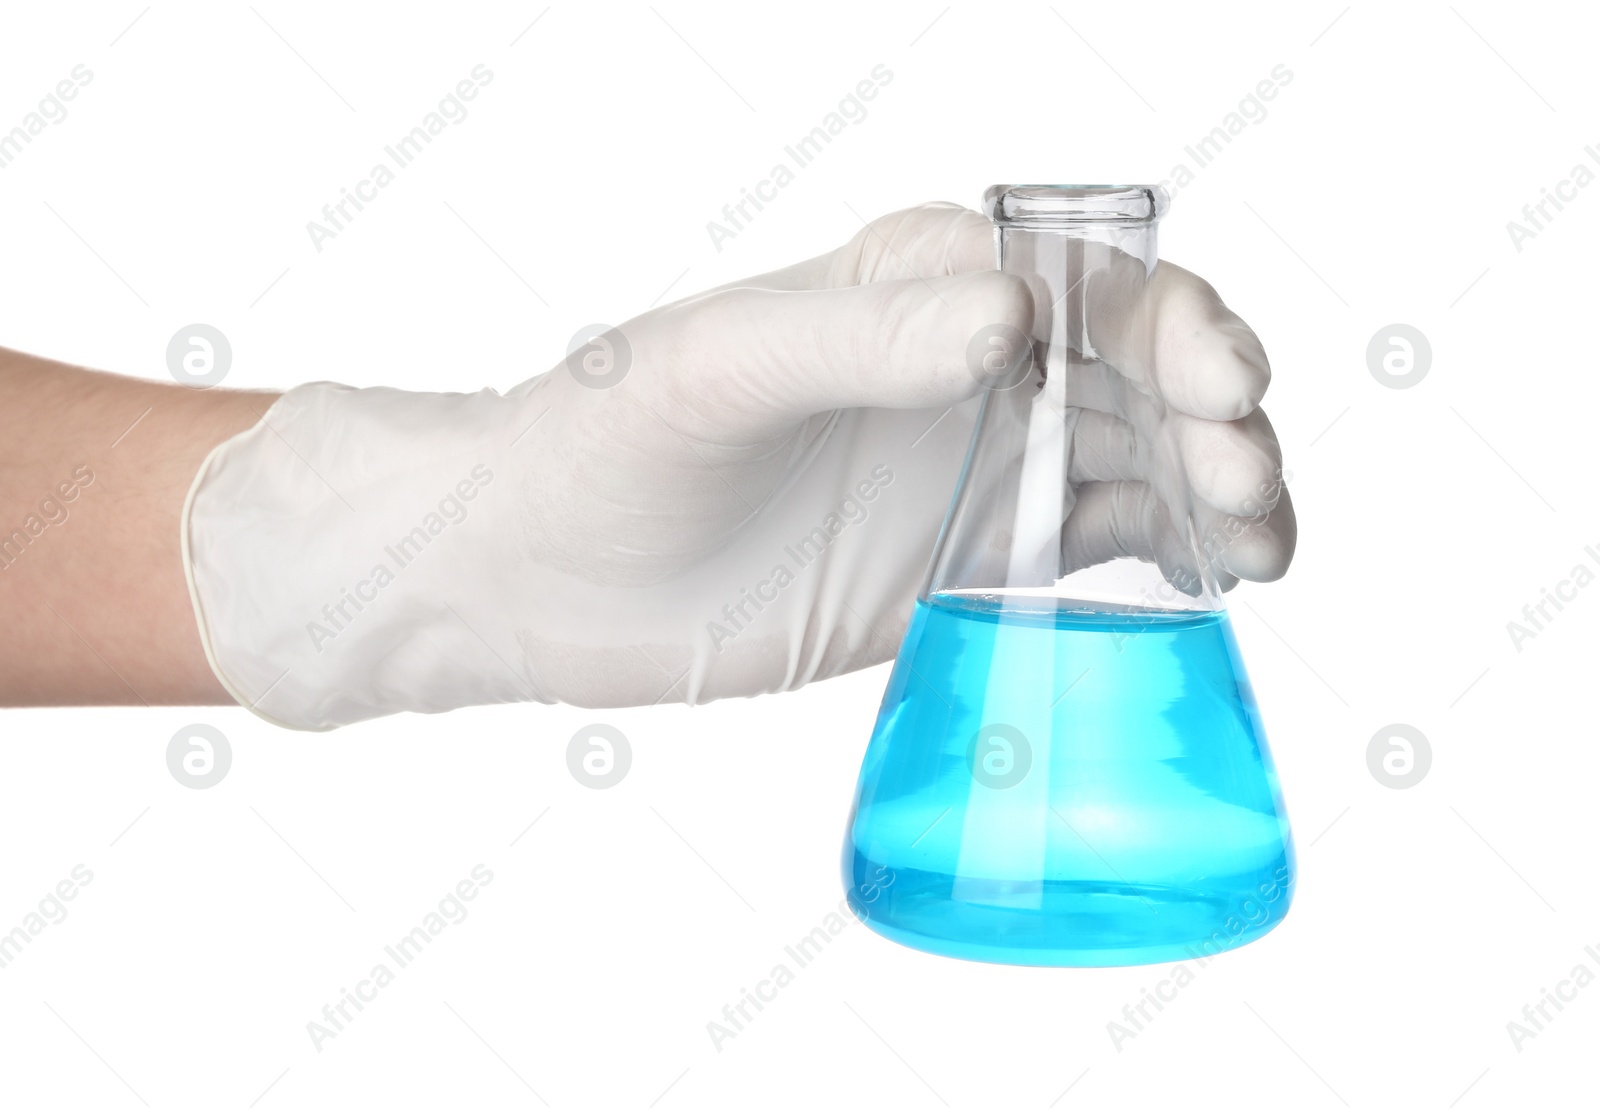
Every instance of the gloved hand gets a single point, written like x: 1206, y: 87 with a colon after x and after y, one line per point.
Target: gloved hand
x: 734, y: 494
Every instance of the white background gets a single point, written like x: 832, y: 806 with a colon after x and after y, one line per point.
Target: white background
x: 1376, y: 190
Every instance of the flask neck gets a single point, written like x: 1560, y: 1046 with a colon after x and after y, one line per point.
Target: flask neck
x: 1070, y: 268
x: 1042, y: 515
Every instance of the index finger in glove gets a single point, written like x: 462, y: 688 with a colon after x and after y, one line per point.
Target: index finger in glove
x: 749, y: 363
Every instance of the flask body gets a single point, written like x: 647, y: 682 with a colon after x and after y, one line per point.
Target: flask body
x: 1069, y: 766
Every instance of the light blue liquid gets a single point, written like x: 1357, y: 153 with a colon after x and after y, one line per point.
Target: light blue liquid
x: 1124, y: 808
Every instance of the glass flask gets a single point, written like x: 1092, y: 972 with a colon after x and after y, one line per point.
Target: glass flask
x: 1069, y: 767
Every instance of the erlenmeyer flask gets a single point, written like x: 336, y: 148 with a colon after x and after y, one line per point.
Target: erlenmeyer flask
x: 1069, y: 767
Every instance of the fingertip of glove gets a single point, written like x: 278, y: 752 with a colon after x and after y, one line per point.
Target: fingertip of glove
x: 1226, y: 380
x: 1261, y: 553
x: 1002, y: 298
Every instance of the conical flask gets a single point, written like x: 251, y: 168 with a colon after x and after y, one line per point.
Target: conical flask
x: 1069, y: 767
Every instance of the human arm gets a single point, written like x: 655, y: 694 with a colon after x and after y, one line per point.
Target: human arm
x: 93, y: 475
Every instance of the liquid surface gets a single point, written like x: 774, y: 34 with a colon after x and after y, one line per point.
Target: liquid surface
x: 1051, y: 787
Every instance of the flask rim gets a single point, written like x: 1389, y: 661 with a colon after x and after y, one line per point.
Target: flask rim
x: 1057, y: 206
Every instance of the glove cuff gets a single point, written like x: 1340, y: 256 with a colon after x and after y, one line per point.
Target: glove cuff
x: 336, y: 555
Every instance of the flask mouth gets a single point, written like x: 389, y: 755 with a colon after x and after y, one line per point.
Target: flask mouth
x: 1064, y: 206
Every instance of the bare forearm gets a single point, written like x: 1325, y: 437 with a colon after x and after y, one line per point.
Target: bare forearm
x: 94, y: 469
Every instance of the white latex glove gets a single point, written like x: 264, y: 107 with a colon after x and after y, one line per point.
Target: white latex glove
x: 750, y: 507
